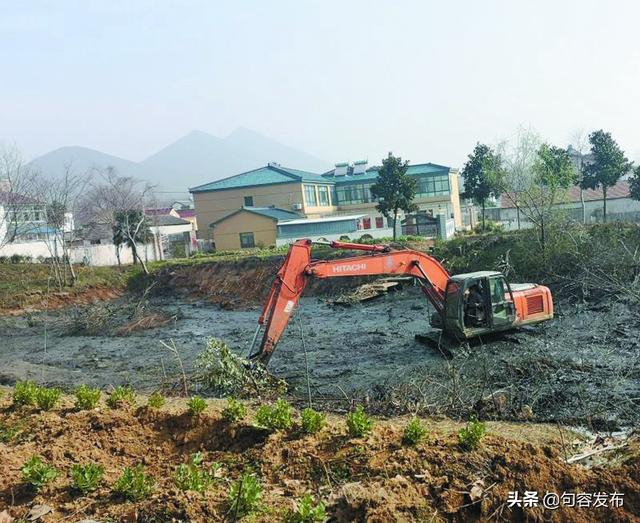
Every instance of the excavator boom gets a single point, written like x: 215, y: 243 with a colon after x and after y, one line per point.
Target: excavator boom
x: 297, y: 268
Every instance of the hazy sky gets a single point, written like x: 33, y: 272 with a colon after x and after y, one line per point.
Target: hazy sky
x: 339, y: 79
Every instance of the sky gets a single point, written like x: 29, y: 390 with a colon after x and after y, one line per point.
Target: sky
x: 343, y: 80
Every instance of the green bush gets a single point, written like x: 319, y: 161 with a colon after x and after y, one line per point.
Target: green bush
x: 234, y: 411
x: 121, y: 396
x: 86, y: 478
x: 193, y: 476
x: 134, y: 484
x: 312, y: 421
x: 156, y: 400
x: 196, y: 405
x: 359, y: 423
x: 308, y: 512
x: 414, y: 432
x: 87, y: 398
x: 276, y: 416
x: 47, y: 398
x: 37, y: 473
x: 471, y: 435
x: 244, y: 495
x: 25, y: 393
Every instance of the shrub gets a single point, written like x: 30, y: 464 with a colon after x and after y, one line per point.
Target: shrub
x: 244, y: 495
x: 470, y: 436
x: 312, y: 421
x: 414, y: 432
x: 192, y: 476
x: 234, y: 411
x: 134, y: 484
x: 47, y: 398
x: 196, y: 405
x: 87, y: 398
x: 37, y: 473
x: 276, y: 416
x: 121, y: 396
x: 307, y: 512
x: 8, y: 433
x: 359, y: 423
x: 25, y: 393
x: 156, y: 400
x: 86, y: 478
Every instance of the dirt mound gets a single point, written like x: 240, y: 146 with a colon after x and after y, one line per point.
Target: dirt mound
x: 367, y: 479
x: 239, y: 284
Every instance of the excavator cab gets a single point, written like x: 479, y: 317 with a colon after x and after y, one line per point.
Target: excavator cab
x: 477, y: 303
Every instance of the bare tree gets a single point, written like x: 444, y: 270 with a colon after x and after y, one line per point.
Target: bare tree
x: 579, y: 142
x: 61, y: 196
x: 118, y: 202
x: 17, y: 202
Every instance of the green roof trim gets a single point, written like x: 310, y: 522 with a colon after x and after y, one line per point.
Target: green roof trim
x: 273, y: 213
x: 267, y: 175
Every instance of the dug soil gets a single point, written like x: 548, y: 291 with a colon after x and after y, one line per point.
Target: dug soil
x: 374, y: 478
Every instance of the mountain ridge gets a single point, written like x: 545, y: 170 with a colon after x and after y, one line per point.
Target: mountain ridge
x: 194, y: 159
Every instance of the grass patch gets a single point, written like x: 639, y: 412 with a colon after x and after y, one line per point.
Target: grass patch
x: 234, y: 411
x: 275, y: 417
x: 359, y: 423
x: 244, y: 495
x: 121, y: 397
x: 134, y: 484
x: 414, y: 432
x: 87, y: 398
x: 196, y: 405
x: 156, y: 401
x: 25, y: 393
x: 307, y: 511
x: 312, y: 421
x: 37, y: 473
x: 47, y: 398
x: 193, y: 476
x: 86, y: 478
x: 470, y: 436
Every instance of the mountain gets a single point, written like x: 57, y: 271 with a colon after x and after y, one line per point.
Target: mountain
x: 200, y: 157
x: 82, y: 159
x: 194, y: 159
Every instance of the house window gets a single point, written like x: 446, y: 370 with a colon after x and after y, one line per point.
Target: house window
x: 310, y: 195
x: 246, y: 240
x: 366, y: 223
x: 379, y: 222
x: 248, y: 201
x: 323, y: 195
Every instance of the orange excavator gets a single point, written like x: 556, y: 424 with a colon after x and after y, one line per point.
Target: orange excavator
x: 466, y: 305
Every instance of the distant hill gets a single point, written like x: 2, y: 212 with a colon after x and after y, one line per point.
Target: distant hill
x: 194, y: 159
x: 82, y: 159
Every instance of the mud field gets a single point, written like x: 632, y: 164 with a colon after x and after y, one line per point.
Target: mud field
x: 583, y: 367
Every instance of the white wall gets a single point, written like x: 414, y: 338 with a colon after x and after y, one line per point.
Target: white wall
x: 354, y: 235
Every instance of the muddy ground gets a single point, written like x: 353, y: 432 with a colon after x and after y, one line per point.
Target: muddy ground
x: 583, y: 367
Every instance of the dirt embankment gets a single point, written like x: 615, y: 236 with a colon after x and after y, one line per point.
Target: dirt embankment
x: 374, y: 478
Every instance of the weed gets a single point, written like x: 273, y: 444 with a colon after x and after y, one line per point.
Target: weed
x: 244, y: 495
x: 86, y: 478
x: 37, y: 473
x: 276, y: 416
x: 87, y: 398
x: 312, y: 421
x: 156, y: 400
x: 196, y: 405
x: 192, y: 476
x: 308, y: 512
x: 9, y: 433
x: 25, y: 393
x: 414, y: 432
x: 121, y: 396
x: 234, y: 411
x: 47, y: 398
x: 470, y: 436
x: 359, y: 423
x: 134, y: 484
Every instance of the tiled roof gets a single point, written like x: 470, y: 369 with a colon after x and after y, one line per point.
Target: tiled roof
x: 279, y: 215
x: 166, y: 219
x: 372, y: 173
x: 619, y: 190
x: 158, y: 212
x: 186, y: 213
x: 267, y: 175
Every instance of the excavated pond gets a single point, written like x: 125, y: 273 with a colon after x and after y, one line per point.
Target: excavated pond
x: 584, y: 366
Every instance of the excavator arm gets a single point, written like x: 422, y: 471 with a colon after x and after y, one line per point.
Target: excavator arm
x: 297, y: 268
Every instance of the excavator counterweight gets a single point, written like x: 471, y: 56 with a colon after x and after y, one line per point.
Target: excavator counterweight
x: 466, y: 305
